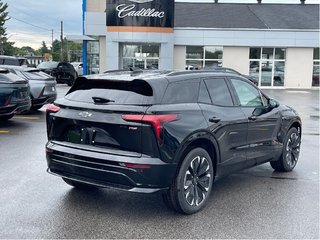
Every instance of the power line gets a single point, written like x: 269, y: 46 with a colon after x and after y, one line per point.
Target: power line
x: 49, y: 30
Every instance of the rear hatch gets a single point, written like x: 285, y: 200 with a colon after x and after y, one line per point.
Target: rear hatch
x: 13, y: 89
x: 93, y: 116
x: 37, y: 77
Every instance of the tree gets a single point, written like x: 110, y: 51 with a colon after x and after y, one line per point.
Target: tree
x: 3, y: 18
x: 43, y: 49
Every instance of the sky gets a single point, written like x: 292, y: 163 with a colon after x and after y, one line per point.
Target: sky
x: 46, y: 15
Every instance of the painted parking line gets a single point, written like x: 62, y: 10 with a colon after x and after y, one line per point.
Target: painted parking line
x: 4, y: 131
x: 26, y: 117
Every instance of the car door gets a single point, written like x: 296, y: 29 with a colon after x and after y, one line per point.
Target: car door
x: 262, y: 128
x: 226, y: 122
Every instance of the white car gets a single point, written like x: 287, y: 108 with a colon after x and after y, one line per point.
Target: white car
x: 78, y: 66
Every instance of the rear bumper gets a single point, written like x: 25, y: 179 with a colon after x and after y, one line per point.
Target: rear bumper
x: 102, y: 169
x: 16, y: 107
x: 44, y: 100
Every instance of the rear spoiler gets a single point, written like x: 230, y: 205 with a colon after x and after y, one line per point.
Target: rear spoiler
x: 137, y: 85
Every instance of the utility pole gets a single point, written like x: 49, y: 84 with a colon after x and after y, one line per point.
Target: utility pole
x: 61, y: 53
x: 51, y: 42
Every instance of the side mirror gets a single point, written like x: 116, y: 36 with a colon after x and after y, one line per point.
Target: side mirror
x: 258, y: 111
x: 272, y: 103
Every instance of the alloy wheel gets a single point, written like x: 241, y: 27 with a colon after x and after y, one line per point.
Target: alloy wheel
x: 293, y: 149
x: 197, y: 181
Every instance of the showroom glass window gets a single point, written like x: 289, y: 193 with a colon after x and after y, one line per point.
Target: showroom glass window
x: 268, y: 65
x: 316, y: 67
x: 93, y: 58
x: 143, y: 56
x: 199, y: 57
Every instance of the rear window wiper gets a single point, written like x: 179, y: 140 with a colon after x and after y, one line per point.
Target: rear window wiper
x: 100, y: 100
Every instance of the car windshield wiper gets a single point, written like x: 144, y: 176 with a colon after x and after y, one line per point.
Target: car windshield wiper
x: 101, y: 100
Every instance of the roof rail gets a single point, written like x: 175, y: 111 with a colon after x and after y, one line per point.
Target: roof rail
x: 178, y: 73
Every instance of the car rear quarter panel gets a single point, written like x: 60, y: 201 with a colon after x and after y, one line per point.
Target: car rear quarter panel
x: 176, y: 133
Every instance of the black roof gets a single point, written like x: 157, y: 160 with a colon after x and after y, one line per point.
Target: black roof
x: 251, y: 16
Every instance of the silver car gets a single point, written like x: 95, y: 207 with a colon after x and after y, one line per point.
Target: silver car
x: 42, y: 86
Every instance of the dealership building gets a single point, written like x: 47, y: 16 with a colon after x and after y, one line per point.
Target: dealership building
x: 277, y: 43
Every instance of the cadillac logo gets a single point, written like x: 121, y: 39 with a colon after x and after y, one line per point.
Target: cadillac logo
x: 85, y: 114
x: 141, y: 1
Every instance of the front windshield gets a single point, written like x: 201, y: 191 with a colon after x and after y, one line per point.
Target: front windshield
x: 48, y: 64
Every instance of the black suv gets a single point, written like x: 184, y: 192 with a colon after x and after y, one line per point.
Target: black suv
x: 173, y: 132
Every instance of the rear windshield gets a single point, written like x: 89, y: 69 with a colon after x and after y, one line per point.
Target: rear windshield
x: 36, y: 75
x: 136, y: 92
x: 9, y: 61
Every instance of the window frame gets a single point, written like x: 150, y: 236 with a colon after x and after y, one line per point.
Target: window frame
x: 203, y: 60
x: 316, y: 62
x: 273, y: 61
x: 134, y: 59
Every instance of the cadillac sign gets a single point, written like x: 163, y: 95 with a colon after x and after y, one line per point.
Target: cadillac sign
x: 146, y: 13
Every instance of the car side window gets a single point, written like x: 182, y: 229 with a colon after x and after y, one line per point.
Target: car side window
x: 219, y: 92
x: 182, y: 92
x: 248, y: 95
x: 203, y: 94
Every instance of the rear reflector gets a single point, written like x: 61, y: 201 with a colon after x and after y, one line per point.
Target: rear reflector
x: 155, y: 120
x: 51, y: 108
x: 136, y: 166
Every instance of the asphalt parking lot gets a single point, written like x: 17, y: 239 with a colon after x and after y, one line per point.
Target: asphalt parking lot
x: 255, y: 203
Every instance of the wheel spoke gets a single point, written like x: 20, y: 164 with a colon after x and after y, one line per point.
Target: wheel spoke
x: 204, y: 167
x: 204, y: 184
x: 190, y: 197
x: 295, y: 153
x: 195, y: 165
x: 196, y: 196
x: 187, y: 180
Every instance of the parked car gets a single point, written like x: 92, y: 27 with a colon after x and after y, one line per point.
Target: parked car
x: 253, y: 79
x: 42, y: 86
x: 78, y: 66
x: 63, y: 72
x: 14, y: 95
x: 173, y: 132
x: 8, y: 60
x: 48, y: 67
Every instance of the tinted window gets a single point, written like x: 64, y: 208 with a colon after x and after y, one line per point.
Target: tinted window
x: 219, y: 92
x: 203, y: 94
x: 247, y: 94
x: 136, y: 92
x: 182, y: 92
x: 12, y: 62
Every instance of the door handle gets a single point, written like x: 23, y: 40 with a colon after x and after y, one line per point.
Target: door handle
x: 214, y: 120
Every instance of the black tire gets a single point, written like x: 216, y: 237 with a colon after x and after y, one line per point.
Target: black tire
x: 6, y: 117
x: 192, y: 186
x: 290, y: 152
x: 78, y: 185
x: 71, y: 81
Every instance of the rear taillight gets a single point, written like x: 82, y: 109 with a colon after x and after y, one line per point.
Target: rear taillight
x: 51, y: 108
x: 156, y: 121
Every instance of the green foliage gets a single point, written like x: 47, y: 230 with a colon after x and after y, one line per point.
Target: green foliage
x: 3, y: 18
